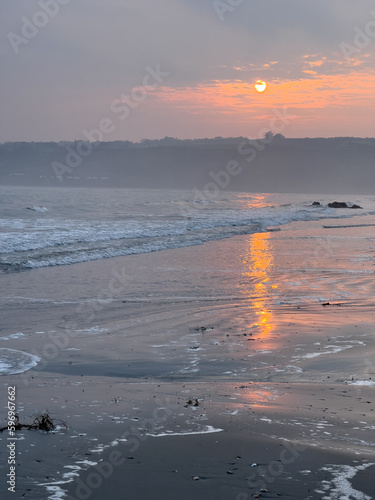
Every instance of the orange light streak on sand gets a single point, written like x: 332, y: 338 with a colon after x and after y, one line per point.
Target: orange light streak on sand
x: 257, y: 395
x: 259, y: 262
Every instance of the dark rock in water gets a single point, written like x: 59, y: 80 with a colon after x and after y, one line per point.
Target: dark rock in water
x: 338, y: 204
x: 316, y: 204
x: 342, y: 204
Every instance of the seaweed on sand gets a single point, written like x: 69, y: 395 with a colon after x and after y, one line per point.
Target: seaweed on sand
x: 42, y: 422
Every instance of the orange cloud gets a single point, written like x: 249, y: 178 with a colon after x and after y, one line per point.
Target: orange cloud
x: 240, y: 97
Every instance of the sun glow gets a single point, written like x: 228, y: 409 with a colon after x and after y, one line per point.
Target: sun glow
x: 260, y: 86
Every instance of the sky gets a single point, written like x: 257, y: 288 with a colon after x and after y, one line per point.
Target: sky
x: 136, y: 69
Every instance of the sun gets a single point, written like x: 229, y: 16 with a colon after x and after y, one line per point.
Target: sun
x: 260, y: 86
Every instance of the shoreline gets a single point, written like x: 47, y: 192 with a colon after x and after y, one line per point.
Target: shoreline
x: 235, y: 465
x: 237, y: 325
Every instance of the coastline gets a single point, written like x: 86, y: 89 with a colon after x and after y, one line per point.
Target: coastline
x: 237, y: 324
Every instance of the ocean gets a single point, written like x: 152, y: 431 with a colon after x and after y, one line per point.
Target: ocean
x: 265, y: 338
x: 41, y: 227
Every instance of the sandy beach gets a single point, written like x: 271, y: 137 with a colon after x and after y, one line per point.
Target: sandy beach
x: 238, y: 369
x: 187, y: 250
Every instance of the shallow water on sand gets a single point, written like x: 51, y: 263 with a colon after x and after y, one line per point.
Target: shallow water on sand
x: 269, y: 332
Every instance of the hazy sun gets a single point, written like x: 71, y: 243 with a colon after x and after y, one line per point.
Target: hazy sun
x: 260, y: 86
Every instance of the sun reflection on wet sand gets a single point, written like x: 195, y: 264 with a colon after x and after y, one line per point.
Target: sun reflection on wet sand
x: 258, y: 286
x: 257, y: 395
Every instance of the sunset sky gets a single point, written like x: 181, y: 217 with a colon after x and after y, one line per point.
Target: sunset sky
x: 186, y: 68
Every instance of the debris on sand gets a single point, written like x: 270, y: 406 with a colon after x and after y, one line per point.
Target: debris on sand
x: 42, y: 422
x: 38, y: 209
x: 192, y: 403
x: 201, y: 329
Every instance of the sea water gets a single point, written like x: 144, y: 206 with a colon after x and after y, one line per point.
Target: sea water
x: 42, y: 227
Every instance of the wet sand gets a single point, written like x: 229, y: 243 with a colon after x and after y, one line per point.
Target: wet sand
x: 227, y: 347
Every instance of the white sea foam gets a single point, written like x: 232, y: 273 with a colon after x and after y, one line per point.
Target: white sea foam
x: 73, y: 237
x: 54, y: 488
x: 340, y: 487
x: 361, y: 382
x: 207, y: 430
x: 13, y: 361
x: 327, y: 350
x: 13, y: 336
x: 93, y: 329
x: 55, y: 492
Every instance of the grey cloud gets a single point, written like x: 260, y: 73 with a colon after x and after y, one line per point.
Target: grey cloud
x: 93, y: 50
